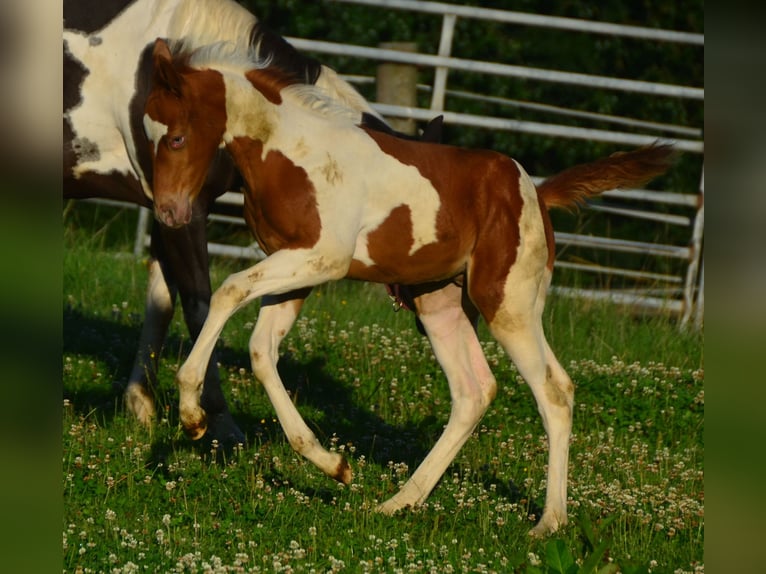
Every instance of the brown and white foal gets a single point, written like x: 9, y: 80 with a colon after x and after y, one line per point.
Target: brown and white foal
x: 328, y: 198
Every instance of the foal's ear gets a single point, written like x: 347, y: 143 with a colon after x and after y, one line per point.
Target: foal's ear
x: 165, y: 73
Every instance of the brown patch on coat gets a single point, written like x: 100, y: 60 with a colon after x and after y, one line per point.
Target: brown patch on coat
x: 280, y: 205
x: 477, y: 224
x: 270, y: 82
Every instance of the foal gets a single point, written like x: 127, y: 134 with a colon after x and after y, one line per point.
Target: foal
x: 329, y: 198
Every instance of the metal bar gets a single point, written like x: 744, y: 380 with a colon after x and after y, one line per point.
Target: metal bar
x: 539, y: 20
x: 557, y: 110
x: 624, y: 245
x: 142, y: 230
x: 641, y: 214
x: 572, y: 78
x: 252, y: 251
x: 554, y: 130
x: 696, y: 252
x: 231, y: 198
x: 233, y: 219
x: 110, y: 202
x: 440, y: 75
x: 637, y: 299
x: 670, y: 197
x: 699, y: 311
x: 591, y: 268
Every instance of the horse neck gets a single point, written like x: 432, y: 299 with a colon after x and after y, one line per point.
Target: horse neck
x: 249, y: 113
x: 288, y: 118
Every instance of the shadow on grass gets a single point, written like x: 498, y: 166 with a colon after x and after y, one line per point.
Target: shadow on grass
x: 342, y: 419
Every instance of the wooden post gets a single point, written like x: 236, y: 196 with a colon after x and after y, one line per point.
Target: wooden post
x: 397, y: 85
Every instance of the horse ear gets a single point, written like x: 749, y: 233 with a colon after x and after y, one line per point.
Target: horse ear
x: 433, y: 131
x: 165, y: 73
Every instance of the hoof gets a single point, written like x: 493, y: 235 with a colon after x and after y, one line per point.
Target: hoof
x: 547, y: 525
x: 221, y: 427
x: 195, y: 426
x: 343, y: 473
x: 141, y: 403
x: 390, y: 507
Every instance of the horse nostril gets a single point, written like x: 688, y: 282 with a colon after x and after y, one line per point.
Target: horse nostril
x: 166, y: 215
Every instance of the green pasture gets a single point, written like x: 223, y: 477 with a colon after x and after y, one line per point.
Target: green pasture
x: 149, y: 500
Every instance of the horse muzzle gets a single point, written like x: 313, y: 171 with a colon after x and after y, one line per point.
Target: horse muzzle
x: 173, y: 213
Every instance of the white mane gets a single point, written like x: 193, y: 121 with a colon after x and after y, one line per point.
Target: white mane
x: 203, y: 22
x: 317, y: 100
x: 223, y: 56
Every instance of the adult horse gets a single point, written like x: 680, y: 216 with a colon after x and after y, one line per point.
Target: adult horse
x: 467, y: 227
x: 107, y: 57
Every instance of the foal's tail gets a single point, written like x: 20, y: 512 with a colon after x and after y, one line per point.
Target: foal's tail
x: 620, y: 170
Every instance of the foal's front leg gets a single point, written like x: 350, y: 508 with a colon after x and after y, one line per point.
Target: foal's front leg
x: 275, y: 319
x: 281, y: 272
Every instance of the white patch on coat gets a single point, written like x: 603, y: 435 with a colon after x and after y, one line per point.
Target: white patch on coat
x: 364, y: 185
x: 103, y: 115
x: 111, y: 56
x: 154, y: 131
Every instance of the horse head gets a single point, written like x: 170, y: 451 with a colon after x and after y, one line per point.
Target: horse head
x: 184, y: 119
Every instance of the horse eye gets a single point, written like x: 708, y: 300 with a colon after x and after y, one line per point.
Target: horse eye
x: 177, y: 142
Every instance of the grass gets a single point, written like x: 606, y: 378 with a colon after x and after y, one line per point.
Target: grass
x: 149, y: 500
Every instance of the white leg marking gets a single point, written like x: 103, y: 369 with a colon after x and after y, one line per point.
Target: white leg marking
x: 525, y: 343
x: 159, y: 311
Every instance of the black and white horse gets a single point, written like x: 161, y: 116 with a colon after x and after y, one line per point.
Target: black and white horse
x: 107, y: 68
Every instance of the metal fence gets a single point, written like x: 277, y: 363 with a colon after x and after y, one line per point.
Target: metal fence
x: 679, y: 293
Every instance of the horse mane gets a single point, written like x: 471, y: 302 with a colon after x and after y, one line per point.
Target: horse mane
x: 203, y: 22
x: 268, y: 45
x: 225, y: 35
x: 228, y: 57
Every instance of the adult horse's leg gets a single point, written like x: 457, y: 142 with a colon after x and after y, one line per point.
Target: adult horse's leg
x: 186, y: 261
x: 449, y: 322
x: 276, y: 317
x: 160, y: 304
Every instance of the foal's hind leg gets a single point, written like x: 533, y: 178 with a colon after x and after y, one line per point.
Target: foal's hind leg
x: 517, y: 326
x: 275, y: 319
x: 472, y: 387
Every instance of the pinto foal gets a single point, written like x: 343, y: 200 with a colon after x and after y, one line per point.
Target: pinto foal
x: 328, y: 198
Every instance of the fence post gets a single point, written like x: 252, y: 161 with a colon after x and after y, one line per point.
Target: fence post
x: 397, y: 85
x: 142, y: 229
x: 445, y: 49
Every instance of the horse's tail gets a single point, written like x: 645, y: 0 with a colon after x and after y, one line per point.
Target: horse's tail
x: 620, y: 170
